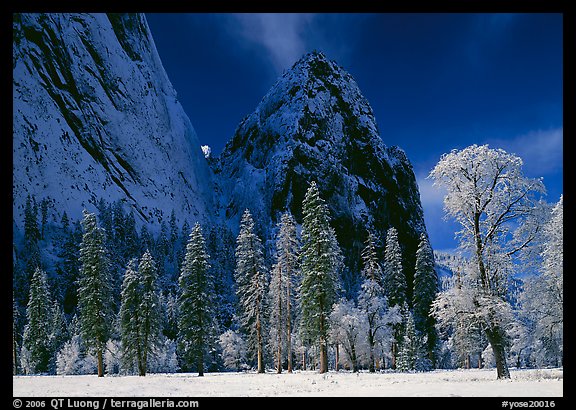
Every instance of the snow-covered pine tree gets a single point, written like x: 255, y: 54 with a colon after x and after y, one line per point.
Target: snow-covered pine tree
x: 150, y: 310
x: 140, y: 315
x: 30, y: 257
x: 408, y: 351
x: 36, y: 339
x: 94, y: 290
x: 129, y: 316
x: 321, y: 261
x: 394, y: 278
x: 195, y: 308
x: 282, y: 285
x: 395, y: 286
x: 425, y: 291
x: 69, y: 264
x: 372, y: 300
x: 58, y: 333
x: 251, y: 285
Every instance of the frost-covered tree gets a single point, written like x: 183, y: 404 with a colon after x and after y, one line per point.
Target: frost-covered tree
x: 348, y: 328
x: 196, y: 316
x: 150, y: 309
x: 36, y: 338
x: 72, y: 359
x: 94, y: 290
x: 140, y: 314
x: 30, y: 256
x: 58, y: 331
x: 281, y: 290
x: 425, y: 291
x: 543, y: 297
x: 409, y: 345
x: 130, y: 316
x: 233, y: 349
x: 372, y: 300
x: 113, y: 357
x: 165, y: 359
x: 251, y: 285
x: 321, y: 261
x: 488, y: 195
x: 394, y: 282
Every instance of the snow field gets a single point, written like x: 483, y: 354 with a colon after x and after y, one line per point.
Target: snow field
x: 438, y: 383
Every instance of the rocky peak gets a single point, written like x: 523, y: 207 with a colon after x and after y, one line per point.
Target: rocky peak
x: 315, y: 125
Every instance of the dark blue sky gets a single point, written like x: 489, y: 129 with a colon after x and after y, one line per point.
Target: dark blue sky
x: 435, y: 81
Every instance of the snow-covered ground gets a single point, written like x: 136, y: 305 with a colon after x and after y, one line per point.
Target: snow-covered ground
x: 444, y: 383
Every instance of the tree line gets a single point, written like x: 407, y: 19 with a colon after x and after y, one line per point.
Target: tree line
x: 112, y: 299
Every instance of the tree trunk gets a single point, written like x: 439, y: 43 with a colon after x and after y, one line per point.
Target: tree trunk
x: 371, y: 367
x: 354, y: 359
x: 323, y: 350
x: 260, y: 346
x: 288, y: 330
x: 337, y: 357
x: 100, y: 364
x: 323, y: 357
x: 495, y: 337
x: 200, y: 364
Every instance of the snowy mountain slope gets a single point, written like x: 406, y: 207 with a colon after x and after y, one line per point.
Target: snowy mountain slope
x: 95, y: 116
x: 314, y: 124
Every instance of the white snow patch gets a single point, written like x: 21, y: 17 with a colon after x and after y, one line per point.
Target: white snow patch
x: 440, y: 383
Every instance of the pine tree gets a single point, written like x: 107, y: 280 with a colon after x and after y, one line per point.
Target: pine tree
x: 408, y: 351
x: 30, y: 257
x: 394, y: 283
x: 282, y: 286
x: 69, y: 265
x: 371, y: 299
x: 58, y: 332
x: 425, y: 291
x: 394, y: 278
x: 251, y: 281
x: 94, y: 290
x: 195, y: 301
x: 140, y: 315
x: 36, y: 339
x: 321, y: 260
x: 129, y: 316
x: 149, y: 308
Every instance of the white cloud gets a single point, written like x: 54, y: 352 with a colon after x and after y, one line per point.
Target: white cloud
x: 282, y: 35
x: 431, y: 196
x: 541, y: 150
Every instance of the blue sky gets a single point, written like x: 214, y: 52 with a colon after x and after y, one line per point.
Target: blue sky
x: 435, y: 81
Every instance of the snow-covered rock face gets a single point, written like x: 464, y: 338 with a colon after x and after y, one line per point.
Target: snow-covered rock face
x: 95, y: 116
x: 314, y: 124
